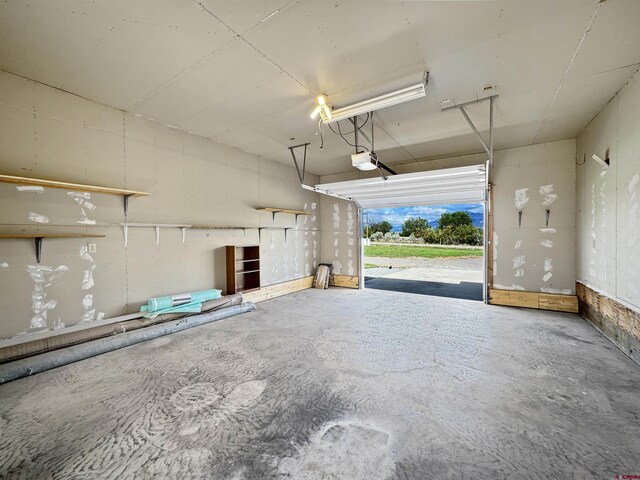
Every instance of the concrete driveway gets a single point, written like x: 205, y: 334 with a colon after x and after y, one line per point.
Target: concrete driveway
x: 449, y: 277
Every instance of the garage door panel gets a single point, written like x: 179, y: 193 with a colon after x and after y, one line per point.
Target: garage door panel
x: 446, y: 186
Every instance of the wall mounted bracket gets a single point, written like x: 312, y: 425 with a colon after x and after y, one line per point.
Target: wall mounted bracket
x: 125, y: 199
x: 38, y: 241
x: 156, y: 227
x: 38, y: 238
x: 295, y: 160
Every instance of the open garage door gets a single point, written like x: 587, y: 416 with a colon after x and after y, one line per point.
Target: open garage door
x: 435, y: 187
x: 449, y: 185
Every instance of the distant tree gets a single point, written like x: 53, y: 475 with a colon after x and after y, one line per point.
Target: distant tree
x: 412, y: 226
x: 455, y: 219
x: 383, y: 227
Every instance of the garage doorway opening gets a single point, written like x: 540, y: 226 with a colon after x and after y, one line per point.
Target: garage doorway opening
x: 428, y: 249
x: 467, y: 185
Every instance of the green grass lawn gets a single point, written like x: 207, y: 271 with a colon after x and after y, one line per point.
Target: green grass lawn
x: 403, y: 251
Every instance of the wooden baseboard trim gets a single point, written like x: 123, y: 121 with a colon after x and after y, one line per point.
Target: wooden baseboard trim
x: 346, y: 281
x: 617, y: 322
x: 279, y: 289
x: 540, y: 301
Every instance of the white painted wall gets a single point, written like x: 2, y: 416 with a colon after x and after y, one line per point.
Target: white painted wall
x: 47, y: 133
x: 532, y: 257
x: 608, y: 215
x: 339, y: 245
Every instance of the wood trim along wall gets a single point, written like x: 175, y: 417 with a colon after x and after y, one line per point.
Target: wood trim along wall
x: 284, y: 288
x: 618, y: 323
x: 279, y: 289
x: 346, y: 281
x: 541, y: 301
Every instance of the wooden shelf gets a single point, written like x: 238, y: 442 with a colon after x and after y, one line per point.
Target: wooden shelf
x: 48, y: 235
x: 296, y: 212
x: 39, y: 237
x: 246, y: 271
x: 242, y: 280
x: 284, y: 210
x: 39, y: 182
x: 275, y: 210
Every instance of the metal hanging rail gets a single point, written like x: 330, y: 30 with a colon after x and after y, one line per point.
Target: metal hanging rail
x: 490, y: 94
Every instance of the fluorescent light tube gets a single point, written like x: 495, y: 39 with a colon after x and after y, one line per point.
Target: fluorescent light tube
x: 316, y: 111
x: 383, y: 101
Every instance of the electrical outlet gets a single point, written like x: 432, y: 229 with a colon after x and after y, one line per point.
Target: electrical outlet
x: 92, y: 248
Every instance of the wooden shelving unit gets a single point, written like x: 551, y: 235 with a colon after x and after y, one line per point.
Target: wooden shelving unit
x: 40, y: 182
x: 243, y: 268
x: 38, y: 237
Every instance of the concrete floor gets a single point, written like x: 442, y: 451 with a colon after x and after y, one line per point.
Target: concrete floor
x: 338, y: 384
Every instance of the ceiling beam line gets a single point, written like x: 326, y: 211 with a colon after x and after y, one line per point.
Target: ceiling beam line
x: 252, y: 46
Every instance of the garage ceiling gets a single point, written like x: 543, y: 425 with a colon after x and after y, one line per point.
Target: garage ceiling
x: 244, y: 73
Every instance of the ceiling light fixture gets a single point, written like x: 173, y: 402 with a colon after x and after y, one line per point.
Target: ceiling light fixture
x: 322, y: 108
x: 383, y: 101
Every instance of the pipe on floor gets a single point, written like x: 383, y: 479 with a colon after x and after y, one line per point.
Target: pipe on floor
x: 43, y: 345
x: 47, y: 361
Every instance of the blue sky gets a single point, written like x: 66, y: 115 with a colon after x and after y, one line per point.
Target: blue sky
x: 397, y: 216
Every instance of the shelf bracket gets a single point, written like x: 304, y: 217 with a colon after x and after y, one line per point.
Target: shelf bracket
x: 125, y: 231
x: 157, y: 235
x: 38, y: 241
x: 295, y: 160
x: 260, y: 233
x: 184, y: 233
x: 273, y: 216
x: 125, y: 199
x: 285, y: 234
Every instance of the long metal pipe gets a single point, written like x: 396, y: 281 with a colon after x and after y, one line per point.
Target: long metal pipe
x: 47, y: 361
x: 48, y: 344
